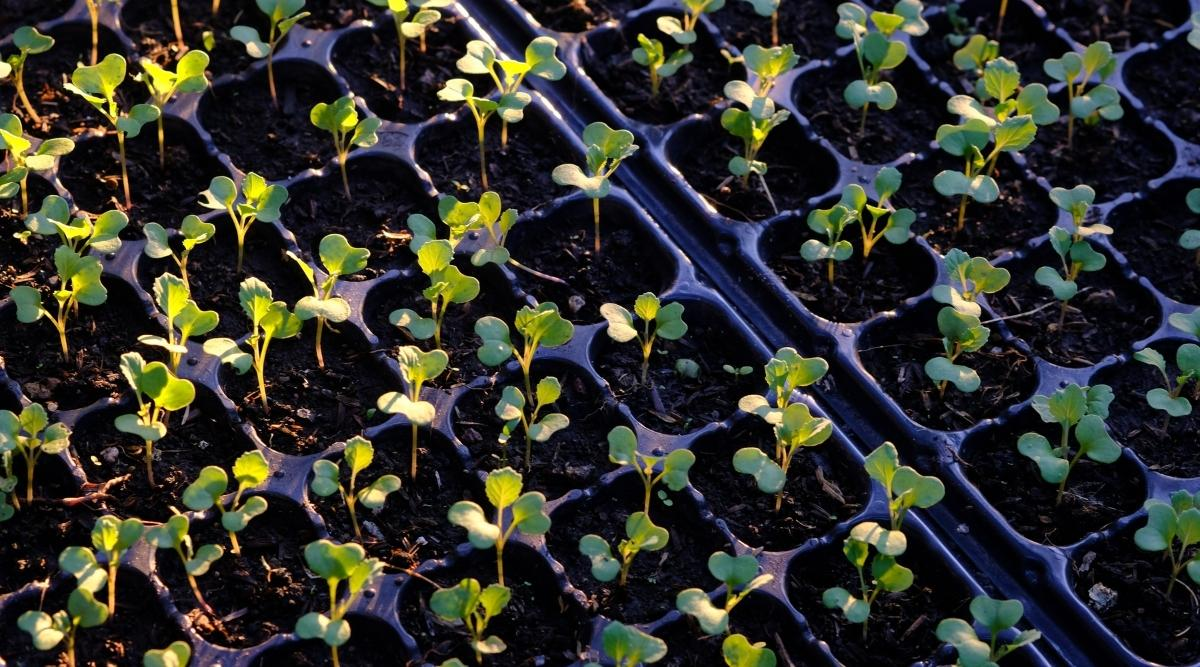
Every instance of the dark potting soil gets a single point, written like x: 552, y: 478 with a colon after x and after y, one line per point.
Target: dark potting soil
x: 97, y: 336
x: 257, y: 594
x: 1147, y: 232
x: 1170, y: 95
x: 370, y: 62
x: 334, y: 14
x: 1089, y: 21
x: 32, y: 539
x: 1143, y: 153
x: 695, y: 88
x: 106, y: 454
x: 1158, y: 627
x: 520, y: 172
x: 894, y: 352
x: 139, y: 624
x: 824, y: 486
x: 28, y: 12
x: 372, y: 642
x: 213, y: 276
x: 1106, y: 319
x: 149, y: 24
x: 758, y: 617
x: 655, y: 576
x: 257, y: 136
x: 573, y: 458
x: 413, y: 523
x: 541, y: 625
x: 33, y: 259
x: 1096, y: 494
x: 578, y: 15
x: 563, y: 245
x: 1022, y: 212
x: 807, y: 26
x: 92, y: 173
x: 668, y: 402
x: 311, y: 408
x: 384, y: 192
x: 458, y: 329
x: 901, y: 628
x: 860, y: 289
x: 909, y: 127
x: 797, y: 169
x: 1165, y: 444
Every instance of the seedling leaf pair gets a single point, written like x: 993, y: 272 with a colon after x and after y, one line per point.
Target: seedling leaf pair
x: 740, y: 576
x: 269, y: 320
x: 338, y: 258
x: 326, y: 481
x: 283, y: 15
x: 416, y: 368
x: 337, y: 564
x: 969, y: 278
x: 606, y: 149
x: 997, y: 617
x: 658, y: 321
x: 1171, y: 399
x: 962, y: 333
x: 1081, y: 410
x: 249, y: 470
x: 523, y: 511
x: 623, y: 450
x: 640, y: 535
x: 340, y: 119
x: 472, y: 606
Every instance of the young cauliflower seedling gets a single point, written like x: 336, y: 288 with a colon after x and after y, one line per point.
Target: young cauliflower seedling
x: 327, y: 480
x: 192, y: 232
x: 83, y: 610
x: 623, y: 450
x: 21, y: 162
x: 877, y: 49
x: 416, y: 368
x: 472, y: 606
x: 340, y: 119
x: 606, y: 149
x: 514, y: 511
x: 658, y: 321
x: 249, y: 470
x: 628, y: 646
x: 1171, y: 400
x: 283, y: 15
x: 640, y: 535
x: 196, y: 561
x: 412, y: 25
x: 1091, y: 105
x: 740, y: 576
x: 163, y: 84
x: 1173, y: 528
x: 868, y: 541
x: 338, y: 258
x: 904, y: 486
x: 969, y: 278
x: 29, y: 435
x: 158, y: 392
x: 337, y: 564
x: 998, y: 617
x: 184, y: 318
x: 448, y: 285
x: 256, y: 200
x: 854, y: 208
x: 796, y: 428
x: 1078, y: 410
x: 962, y: 333
x: 29, y: 42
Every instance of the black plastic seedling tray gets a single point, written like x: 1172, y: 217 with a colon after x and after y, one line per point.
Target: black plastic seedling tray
x: 695, y: 251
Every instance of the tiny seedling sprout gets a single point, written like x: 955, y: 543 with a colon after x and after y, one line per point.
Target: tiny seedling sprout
x: 877, y: 51
x: 606, y: 149
x: 515, y: 409
x: 969, y: 277
x: 338, y: 258
x: 340, y: 118
x: 249, y: 470
x: 740, y: 576
x: 283, y: 15
x: 962, y: 333
x: 113, y: 538
x: 630, y: 647
x: 447, y: 285
x: 158, y: 392
x: 192, y: 232
x: 855, y: 207
x: 337, y: 564
x: 796, y: 428
x: 472, y: 606
x: 412, y: 25
x: 173, y: 534
x: 640, y: 535
x: 1190, y: 239
x: 514, y: 511
x: 176, y: 654
x: 1100, y: 102
x: 184, y: 318
x: 416, y: 368
x: 623, y: 450
x: 327, y: 480
x: 658, y: 321
x: 1171, y: 400
x: 1173, y: 528
x: 1077, y: 409
x: 29, y: 42
x: 83, y: 610
x: 998, y: 617
x: 905, y: 487
x: 30, y: 435
x: 1077, y: 256
x: 886, y: 574
x: 256, y: 200
x: 163, y: 84
x: 652, y: 54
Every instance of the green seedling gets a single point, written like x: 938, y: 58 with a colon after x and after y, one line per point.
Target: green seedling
x: 255, y: 201
x: 249, y: 470
x: 797, y: 428
x: 1102, y: 101
x: 740, y: 576
x: 687, y: 369
x: 196, y: 560
x: 503, y: 489
x: 752, y: 125
x: 158, y: 392
x: 192, y: 232
x: 969, y: 278
x: 1077, y: 257
x: 768, y: 8
x: 640, y: 535
x: 629, y: 646
x: 462, y: 218
x: 1077, y: 201
x: 327, y: 480
x: 79, y: 234
x: 337, y: 564
x: 447, y: 285
x: 1193, y: 37
x: 78, y: 283
x: 905, y: 487
x: 28, y: 41
x: 768, y: 64
x: 886, y: 575
x: 975, y: 53
x: 97, y: 85
x: 606, y: 149
x: 412, y: 24
x: 683, y: 31
x: 514, y: 409
x: 184, y: 318
x: 30, y: 435
x: 738, y: 651
x: 338, y: 258
x: 652, y: 54
x: 540, y: 327
x: 998, y: 617
x: 1190, y: 239
x: 877, y: 49
x: 416, y: 368
x: 1074, y: 408
x: 1174, y: 529
x: 541, y: 60
x: 786, y: 372
x: 738, y: 372
x: 623, y: 450
x: 658, y: 321
x: 113, y: 538
x: 470, y: 605
x: 1171, y: 400
x: 83, y: 610
x: 886, y: 222
x: 269, y: 320
x: 283, y: 15
x: 176, y: 654
x: 1186, y: 322
x: 340, y: 119
x: 93, y: 9
x: 962, y: 333
x: 163, y: 84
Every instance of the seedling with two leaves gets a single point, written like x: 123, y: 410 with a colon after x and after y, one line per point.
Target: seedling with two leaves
x: 905, y: 487
x: 514, y: 511
x: 627, y: 646
x: 623, y: 450
x: 658, y: 321
x: 785, y: 372
x: 29, y: 435
x: 877, y: 50
x: 998, y: 617
x: 740, y: 576
x: 1190, y: 239
x: 683, y: 30
x: 163, y: 84
x: 970, y: 277
x: 416, y: 368
x: 83, y: 610
x: 973, y: 54
x: 962, y: 333
x: 183, y: 315
x: 540, y: 61
x: 412, y: 24
x: 283, y: 15
x: 869, y: 541
x: 652, y: 54
x: 1077, y: 257
x: 340, y: 118
x: 29, y: 42
x: 327, y: 480
x: 606, y: 149
x: 470, y: 605
x: 464, y: 217
x: 1171, y: 400
x: 1173, y: 528
x: 21, y: 162
x: 97, y: 85
x: 1100, y: 102
x: 448, y: 285
x: 192, y: 232
x: 1081, y: 410
x: 159, y: 392
x: 196, y: 561
x: 754, y: 123
x: 640, y: 535
x: 338, y: 258
x: 887, y: 222
x: 269, y: 320
x: 796, y: 428
x: 249, y: 470
x: 337, y: 564
x: 255, y: 200
x: 738, y: 651
x: 515, y: 410
x: 111, y: 538
x: 176, y: 654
